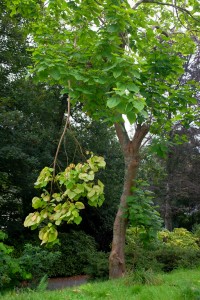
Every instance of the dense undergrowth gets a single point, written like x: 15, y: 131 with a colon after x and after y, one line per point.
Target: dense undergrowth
x: 77, y: 254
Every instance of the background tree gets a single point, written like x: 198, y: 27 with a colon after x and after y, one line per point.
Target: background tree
x: 181, y: 189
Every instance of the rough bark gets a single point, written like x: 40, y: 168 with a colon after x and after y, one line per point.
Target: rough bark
x: 130, y: 150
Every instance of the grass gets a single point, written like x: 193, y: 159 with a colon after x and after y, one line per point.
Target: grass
x: 178, y: 285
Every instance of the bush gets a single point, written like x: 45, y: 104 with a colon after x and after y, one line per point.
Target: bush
x: 75, y: 255
x: 77, y: 250
x: 98, y: 265
x: 179, y: 238
x: 10, y: 270
x: 80, y: 256
x: 175, y: 257
x: 29, y: 268
x: 172, y: 250
x: 38, y: 262
x: 139, y: 258
x: 139, y: 255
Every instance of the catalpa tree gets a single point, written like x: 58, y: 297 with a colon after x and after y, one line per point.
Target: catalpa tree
x: 117, y: 58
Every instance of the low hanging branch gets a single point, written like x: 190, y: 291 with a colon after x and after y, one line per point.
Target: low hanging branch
x: 75, y: 183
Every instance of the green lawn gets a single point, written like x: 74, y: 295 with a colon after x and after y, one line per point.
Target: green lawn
x: 178, y: 285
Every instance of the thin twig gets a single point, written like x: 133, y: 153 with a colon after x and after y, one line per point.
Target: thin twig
x: 166, y: 4
x: 67, y: 123
x: 65, y: 150
x: 146, y: 141
x: 177, y: 15
x: 77, y: 142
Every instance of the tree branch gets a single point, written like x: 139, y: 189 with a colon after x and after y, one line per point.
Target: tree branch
x: 140, y: 133
x: 146, y: 141
x: 122, y: 135
x: 166, y: 4
x: 137, y: 4
x: 63, y: 133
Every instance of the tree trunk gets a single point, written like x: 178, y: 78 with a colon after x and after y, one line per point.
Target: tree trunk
x: 168, y: 210
x: 130, y: 150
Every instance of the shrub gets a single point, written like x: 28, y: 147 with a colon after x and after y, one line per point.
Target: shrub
x: 175, y: 257
x: 139, y: 258
x: 77, y: 249
x: 79, y: 256
x: 38, y: 262
x: 172, y: 250
x: 31, y: 266
x: 10, y: 270
x: 98, y: 266
x: 179, y: 238
x: 139, y: 255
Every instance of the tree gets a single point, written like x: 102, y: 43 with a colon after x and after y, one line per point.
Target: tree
x: 117, y: 58
x: 182, y: 188
x: 173, y: 176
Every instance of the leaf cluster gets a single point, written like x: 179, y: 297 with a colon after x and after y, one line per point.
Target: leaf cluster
x: 179, y: 237
x: 143, y: 217
x: 76, y: 182
x: 119, y: 59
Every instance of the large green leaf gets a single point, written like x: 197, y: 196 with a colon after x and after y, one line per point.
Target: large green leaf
x: 113, y: 102
x: 139, y: 105
x: 37, y: 202
x: 117, y: 73
x: 55, y: 74
x: 133, y: 87
x: 131, y: 117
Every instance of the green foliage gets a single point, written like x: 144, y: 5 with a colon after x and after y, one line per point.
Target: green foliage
x: 10, y: 269
x: 144, y: 276
x: 179, y: 238
x: 172, y: 250
x: 174, y: 258
x: 42, y: 286
x: 119, y: 60
x: 196, y: 232
x: 142, y: 214
x: 38, y: 262
x: 33, y: 263
x: 98, y: 266
x: 140, y: 256
x: 28, y: 128
x: 72, y: 184
x: 179, y: 249
x: 77, y: 251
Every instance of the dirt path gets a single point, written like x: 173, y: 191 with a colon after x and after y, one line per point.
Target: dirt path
x: 61, y: 283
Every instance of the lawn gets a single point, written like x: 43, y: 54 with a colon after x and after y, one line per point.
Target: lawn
x: 178, y: 285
